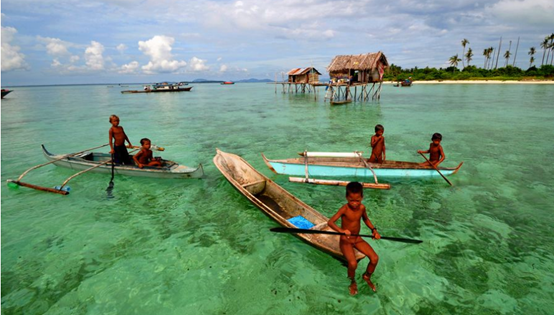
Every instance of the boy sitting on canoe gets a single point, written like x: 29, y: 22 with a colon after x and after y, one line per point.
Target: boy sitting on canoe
x: 378, y: 145
x: 350, y: 214
x: 144, y: 157
x: 117, y: 142
x: 436, y: 154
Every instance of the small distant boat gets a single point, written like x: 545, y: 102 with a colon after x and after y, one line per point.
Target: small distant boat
x: 227, y: 82
x: 350, y: 164
x: 343, y: 102
x: 407, y: 82
x: 162, y: 87
x: 278, y: 204
x: 5, y: 92
x: 89, y: 159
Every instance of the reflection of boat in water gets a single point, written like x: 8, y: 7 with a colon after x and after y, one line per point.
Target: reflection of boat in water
x: 5, y: 92
x: 162, y: 87
x: 227, y: 83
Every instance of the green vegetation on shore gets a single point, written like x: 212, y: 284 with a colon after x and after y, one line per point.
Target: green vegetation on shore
x: 395, y: 73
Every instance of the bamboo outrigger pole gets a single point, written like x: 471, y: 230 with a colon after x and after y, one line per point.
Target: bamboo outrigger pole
x: 88, y: 169
x: 335, y: 182
x: 47, y: 189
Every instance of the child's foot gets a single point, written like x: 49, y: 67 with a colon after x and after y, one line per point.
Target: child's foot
x: 353, y: 288
x: 367, y: 277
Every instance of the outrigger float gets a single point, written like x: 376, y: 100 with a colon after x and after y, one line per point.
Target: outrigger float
x: 86, y: 161
x: 350, y: 164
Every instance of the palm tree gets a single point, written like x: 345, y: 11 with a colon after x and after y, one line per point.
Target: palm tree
x: 464, y: 43
x: 551, y: 37
x: 469, y: 55
x: 490, y: 51
x: 454, y: 60
x: 507, y: 56
x: 544, y: 46
x: 531, y: 52
x: 486, y: 54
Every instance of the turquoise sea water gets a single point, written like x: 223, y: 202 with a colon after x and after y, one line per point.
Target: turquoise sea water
x: 199, y: 247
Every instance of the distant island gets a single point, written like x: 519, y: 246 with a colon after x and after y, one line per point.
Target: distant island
x: 251, y: 80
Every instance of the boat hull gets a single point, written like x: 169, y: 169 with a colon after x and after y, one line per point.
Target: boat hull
x: 81, y: 162
x: 277, y: 203
x: 353, y: 167
x: 5, y: 92
x: 187, y: 89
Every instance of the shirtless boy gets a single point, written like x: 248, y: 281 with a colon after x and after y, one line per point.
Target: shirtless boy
x: 117, y: 142
x: 436, y: 154
x: 378, y: 154
x: 350, y: 214
x: 144, y: 157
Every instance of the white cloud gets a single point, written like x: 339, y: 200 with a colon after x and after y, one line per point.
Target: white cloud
x: 12, y: 59
x: 130, y: 68
x: 121, y: 47
x: 55, y: 46
x: 197, y: 65
x: 74, y: 59
x: 223, y: 68
x: 93, y: 56
x: 536, y: 12
x: 158, y: 48
x: 56, y: 63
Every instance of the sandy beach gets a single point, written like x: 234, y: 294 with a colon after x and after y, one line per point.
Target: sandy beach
x: 482, y: 82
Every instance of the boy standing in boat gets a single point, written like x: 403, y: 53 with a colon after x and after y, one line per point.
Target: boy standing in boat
x: 378, y: 154
x: 144, y: 157
x: 436, y: 154
x: 350, y: 214
x: 117, y: 142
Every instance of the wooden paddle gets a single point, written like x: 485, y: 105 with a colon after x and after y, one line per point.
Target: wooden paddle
x: 153, y: 147
x: 306, y: 231
x: 436, y: 169
x: 110, y: 185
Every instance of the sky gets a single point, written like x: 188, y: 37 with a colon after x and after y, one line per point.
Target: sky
x: 138, y: 41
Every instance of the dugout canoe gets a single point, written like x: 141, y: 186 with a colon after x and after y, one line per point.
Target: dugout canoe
x: 86, y: 160
x: 277, y: 203
x: 353, y: 167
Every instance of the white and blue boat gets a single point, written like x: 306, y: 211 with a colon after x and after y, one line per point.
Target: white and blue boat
x: 337, y: 164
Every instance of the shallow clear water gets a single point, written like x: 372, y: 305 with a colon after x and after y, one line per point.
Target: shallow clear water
x: 199, y: 247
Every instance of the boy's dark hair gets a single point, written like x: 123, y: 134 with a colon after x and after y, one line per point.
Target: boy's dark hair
x: 143, y: 140
x: 379, y: 127
x: 436, y: 136
x: 355, y: 188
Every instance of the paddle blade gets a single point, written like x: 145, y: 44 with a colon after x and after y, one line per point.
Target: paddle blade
x: 403, y: 240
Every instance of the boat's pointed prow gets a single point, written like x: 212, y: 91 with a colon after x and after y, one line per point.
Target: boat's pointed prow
x: 457, y: 168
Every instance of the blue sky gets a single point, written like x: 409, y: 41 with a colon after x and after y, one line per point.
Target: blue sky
x: 112, y: 41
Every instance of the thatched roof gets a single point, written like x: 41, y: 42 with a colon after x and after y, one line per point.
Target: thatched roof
x: 367, y: 61
x: 301, y: 71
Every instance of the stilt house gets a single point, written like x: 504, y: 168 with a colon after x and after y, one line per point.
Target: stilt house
x: 304, y: 75
x: 364, y: 68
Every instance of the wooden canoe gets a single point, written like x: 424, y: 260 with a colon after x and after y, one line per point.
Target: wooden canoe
x: 88, y: 159
x: 276, y: 202
x: 353, y: 167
